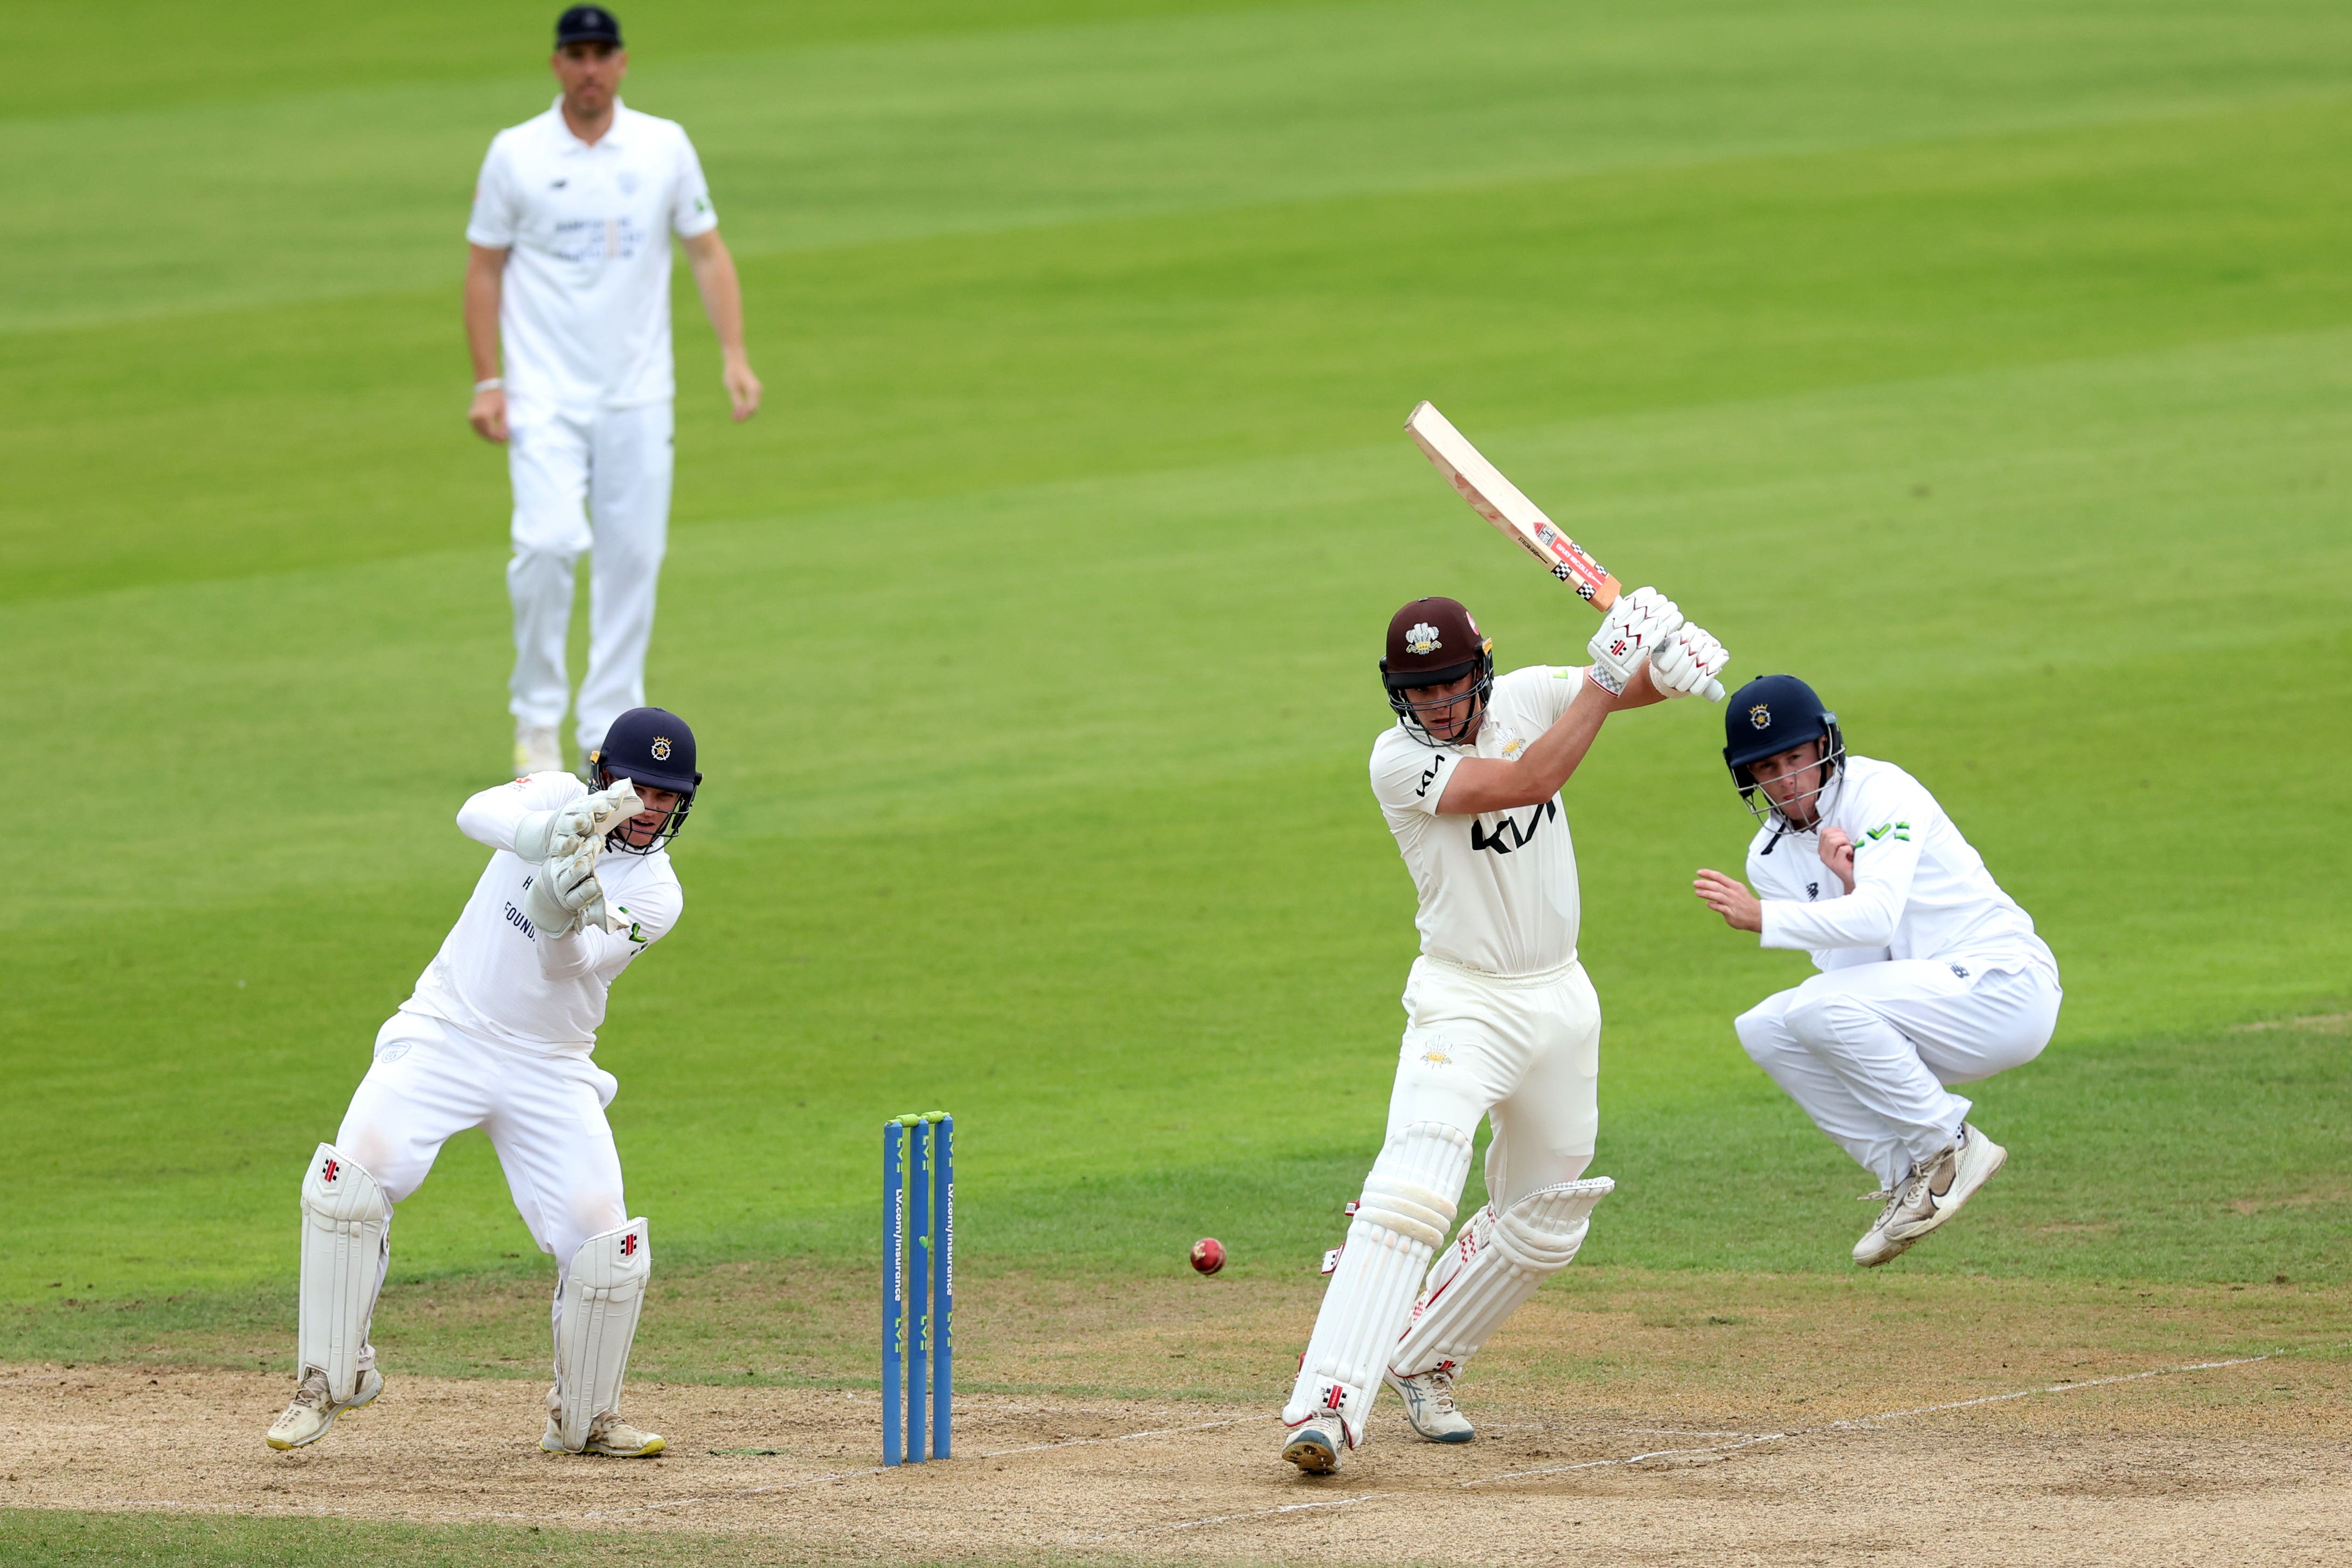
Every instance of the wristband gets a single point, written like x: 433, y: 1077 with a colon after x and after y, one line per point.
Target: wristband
x: 493, y: 384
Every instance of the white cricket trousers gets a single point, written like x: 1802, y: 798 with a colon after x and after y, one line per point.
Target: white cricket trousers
x: 1867, y: 1050
x: 1524, y: 1050
x: 544, y: 1115
x: 586, y: 481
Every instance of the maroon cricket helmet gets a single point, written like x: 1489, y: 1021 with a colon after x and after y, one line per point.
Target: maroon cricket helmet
x: 1434, y: 642
x: 1431, y: 642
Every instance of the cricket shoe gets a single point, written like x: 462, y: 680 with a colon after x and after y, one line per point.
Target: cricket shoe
x: 1932, y: 1193
x: 313, y: 1411
x: 1313, y: 1450
x: 1428, y: 1403
x: 537, y: 750
x: 609, y: 1435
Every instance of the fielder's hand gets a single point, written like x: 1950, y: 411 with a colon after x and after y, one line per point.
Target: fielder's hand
x: 743, y: 388
x: 489, y: 415
x: 1837, y: 854
x: 1739, y: 907
x: 1631, y: 631
x: 1687, y: 661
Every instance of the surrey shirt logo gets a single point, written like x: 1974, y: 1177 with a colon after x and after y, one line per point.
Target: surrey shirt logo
x: 1422, y: 640
x: 1760, y: 716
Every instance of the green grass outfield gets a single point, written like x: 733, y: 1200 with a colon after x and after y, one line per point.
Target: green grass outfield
x: 1989, y: 364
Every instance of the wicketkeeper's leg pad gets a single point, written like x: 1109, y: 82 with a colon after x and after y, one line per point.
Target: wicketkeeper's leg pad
x: 1407, y: 1207
x: 1493, y: 1267
x: 346, y: 1231
x: 603, y: 1291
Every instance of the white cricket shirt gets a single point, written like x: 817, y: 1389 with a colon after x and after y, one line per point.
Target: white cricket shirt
x: 1498, y: 889
x: 1920, y: 891
x: 584, y: 310
x: 499, y: 977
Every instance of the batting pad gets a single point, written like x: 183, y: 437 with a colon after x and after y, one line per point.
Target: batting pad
x: 1493, y: 1267
x: 1407, y: 1207
x: 603, y: 1293
x: 345, y: 1227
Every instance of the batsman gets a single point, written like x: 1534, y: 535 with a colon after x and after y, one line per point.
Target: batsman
x: 499, y: 1035
x: 1501, y: 1022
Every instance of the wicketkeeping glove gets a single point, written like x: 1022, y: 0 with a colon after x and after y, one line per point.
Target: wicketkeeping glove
x: 564, y: 885
x: 1631, y: 631
x: 1687, y: 661
x: 561, y: 832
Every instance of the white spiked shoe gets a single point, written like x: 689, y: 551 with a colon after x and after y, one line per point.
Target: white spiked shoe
x: 1428, y: 1403
x: 313, y: 1410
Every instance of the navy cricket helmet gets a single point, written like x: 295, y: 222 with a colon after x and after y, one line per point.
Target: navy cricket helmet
x: 1771, y: 714
x: 652, y: 747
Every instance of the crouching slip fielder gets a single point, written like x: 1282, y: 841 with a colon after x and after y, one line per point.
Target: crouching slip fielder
x: 499, y: 1035
x: 1930, y: 974
x: 1501, y: 1021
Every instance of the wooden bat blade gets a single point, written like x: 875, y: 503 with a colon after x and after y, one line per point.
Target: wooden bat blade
x: 1501, y: 503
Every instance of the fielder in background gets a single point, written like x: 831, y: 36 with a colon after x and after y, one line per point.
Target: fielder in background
x: 1500, y: 1019
x: 1930, y: 976
x: 568, y: 277
x: 499, y: 1035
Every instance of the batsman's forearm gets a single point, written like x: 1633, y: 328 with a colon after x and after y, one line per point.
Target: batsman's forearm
x: 1559, y: 750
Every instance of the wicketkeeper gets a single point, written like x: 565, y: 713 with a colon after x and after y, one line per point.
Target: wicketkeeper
x: 1930, y: 976
x: 1501, y: 1022
x: 499, y: 1035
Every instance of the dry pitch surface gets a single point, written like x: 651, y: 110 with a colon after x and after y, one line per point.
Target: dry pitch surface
x: 1627, y: 1418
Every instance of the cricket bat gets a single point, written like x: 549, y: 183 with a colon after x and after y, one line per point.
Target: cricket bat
x: 1500, y: 503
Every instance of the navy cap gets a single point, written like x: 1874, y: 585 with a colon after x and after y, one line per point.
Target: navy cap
x: 587, y: 24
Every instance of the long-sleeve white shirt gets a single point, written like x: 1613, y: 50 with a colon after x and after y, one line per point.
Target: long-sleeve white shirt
x: 1919, y: 889
x: 497, y: 975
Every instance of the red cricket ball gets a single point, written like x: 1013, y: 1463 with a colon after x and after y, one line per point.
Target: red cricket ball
x: 1208, y: 1255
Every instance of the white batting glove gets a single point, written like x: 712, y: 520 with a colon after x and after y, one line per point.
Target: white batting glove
x: 1631, y: 631
x: 1687, y: 661
x: 564, y: 885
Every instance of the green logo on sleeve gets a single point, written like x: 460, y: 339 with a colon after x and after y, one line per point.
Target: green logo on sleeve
x: 1899, y: 829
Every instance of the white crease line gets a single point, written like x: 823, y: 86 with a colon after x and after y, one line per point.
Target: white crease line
x: 1864, y: 1423
x: 1228, y: 1517
x: 731, y: 1497
x: 322, y: 1509
x: 1854, y: 1424
x: 1630, y: 1459
x: 1125, y: 1437
x: 1861, y: 1423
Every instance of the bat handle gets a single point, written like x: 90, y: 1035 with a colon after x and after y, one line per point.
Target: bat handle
x: 1714, y: 691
